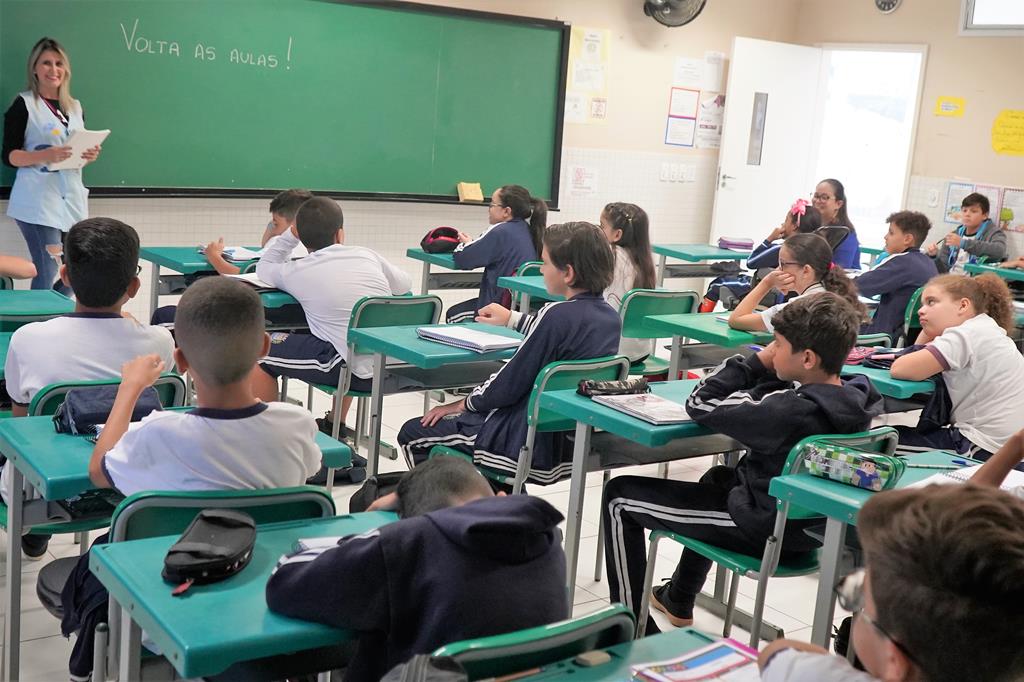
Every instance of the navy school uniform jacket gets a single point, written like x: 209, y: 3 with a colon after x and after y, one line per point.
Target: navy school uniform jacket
x: 488, y: 567
x: 744, y: 400
x: 581, y: 328
x: 499, y: 252
x: 896, y: 279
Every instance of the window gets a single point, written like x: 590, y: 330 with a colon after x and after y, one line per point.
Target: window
x: 992, y: 18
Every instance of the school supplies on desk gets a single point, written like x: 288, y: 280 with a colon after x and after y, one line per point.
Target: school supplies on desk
x: 723, y: 660
x: 251, y: 279
x: 868, y: 470
x: 80, y: 141
x: 647, y: 406
x: 238, y: 254
x: 1014, y: 479
x: 467, y: 339
x: 735, y: 243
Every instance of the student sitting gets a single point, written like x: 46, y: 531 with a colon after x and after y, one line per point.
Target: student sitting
x: 231, y: 441
x: 490, y: 423
x: 903, y: 272
x: 460, y: 564
x: 975, y: 237
x: 769, y: 402
x: 626, y: 228
x: 509, y: 242
x: 327, y: 283
x: 805, y: 267
x: 939, y: 600
x: 282, y: 216
x: 102, y: 266
x: 964, y: 326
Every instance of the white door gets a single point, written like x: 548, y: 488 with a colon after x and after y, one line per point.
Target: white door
x: 769, y: 133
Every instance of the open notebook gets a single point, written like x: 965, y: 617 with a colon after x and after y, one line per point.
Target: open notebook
x: 1015, y: 479
x: 647, y: 406
x: 251, y: 279
x: 467, y: 338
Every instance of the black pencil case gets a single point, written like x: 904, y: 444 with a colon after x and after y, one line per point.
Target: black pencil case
x: 590, y: 387
x: 216, y: 545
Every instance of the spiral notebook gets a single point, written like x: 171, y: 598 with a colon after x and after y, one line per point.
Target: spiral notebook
x: 467, y: 338
x: 1015, y: 479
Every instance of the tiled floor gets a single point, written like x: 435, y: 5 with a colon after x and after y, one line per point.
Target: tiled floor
x: 790, y: 602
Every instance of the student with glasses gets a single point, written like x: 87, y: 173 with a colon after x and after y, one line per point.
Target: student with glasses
x: 939, y: 600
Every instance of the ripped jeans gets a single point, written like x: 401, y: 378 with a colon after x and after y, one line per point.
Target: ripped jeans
x: 39, y: 238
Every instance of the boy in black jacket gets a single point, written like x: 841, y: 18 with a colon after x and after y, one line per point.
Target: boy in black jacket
x: 769, y: 402
x: 460, y: 564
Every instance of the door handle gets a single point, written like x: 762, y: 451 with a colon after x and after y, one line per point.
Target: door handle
x: 726, y: 177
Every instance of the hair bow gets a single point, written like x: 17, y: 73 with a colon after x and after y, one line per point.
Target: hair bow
x: 799, y: 207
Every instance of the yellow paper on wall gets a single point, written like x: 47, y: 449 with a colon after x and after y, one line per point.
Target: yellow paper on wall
x: 1008, y: 132
x: 470, y: 191
x: 949, y: 106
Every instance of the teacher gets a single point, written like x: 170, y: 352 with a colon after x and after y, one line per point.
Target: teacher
x: 45, y: 203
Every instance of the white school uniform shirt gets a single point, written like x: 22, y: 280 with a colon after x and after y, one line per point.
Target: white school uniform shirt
x: 622, y: 281
x: 984, y: 373
x: 263, y: 446
x: 768, y: 314
x: 790, y: 665
x: 328, y: 283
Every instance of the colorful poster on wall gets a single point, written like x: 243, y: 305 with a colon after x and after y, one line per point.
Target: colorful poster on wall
x: 955, y: 194
x: 1011, y: 212
x: 709, y: 120
x: 587, y: 94
x: 681, y: 126
x: 950, y: 106
x: 1008, y: 132
x: 994, y: 195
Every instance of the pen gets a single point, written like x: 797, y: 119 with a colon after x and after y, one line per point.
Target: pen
x: 934, y: 466
x: 962, y: 462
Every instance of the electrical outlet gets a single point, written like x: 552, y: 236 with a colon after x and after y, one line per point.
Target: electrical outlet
x: 674, y: 172
x: 933, y: 198
x: 666, y: 172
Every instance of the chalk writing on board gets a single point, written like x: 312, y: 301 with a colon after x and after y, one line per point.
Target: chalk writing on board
x: 142, y: 44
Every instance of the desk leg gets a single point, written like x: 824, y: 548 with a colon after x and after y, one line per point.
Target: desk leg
x: 154, y: 288
x: 574, y: 519
x: 12, y: 586
x: 425, y: 279
x: 676, y: 358
x: 131, y: 647
x: 661, y: 270
x: 824, y: 606
x: 524, y: 304
x: 376, y: 413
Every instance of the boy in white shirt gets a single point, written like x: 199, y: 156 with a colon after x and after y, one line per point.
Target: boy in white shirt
x: 102, y: 266
x: 940, y: 599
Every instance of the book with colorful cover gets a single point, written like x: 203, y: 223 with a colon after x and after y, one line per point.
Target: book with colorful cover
x: 647, y: 406
x: 723, y: 660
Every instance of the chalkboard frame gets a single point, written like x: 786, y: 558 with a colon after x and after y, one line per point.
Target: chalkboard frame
x: 227, y: 193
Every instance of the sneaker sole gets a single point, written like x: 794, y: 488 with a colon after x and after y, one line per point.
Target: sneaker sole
x: 675, y: 620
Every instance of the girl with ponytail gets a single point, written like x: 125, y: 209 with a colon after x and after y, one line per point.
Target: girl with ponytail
x: 805, y: 267
x: 514, y: 237
x: 964, y: 327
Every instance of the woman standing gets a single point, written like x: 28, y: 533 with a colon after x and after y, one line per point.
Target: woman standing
x: 830, y: 199
x: 45, y: 203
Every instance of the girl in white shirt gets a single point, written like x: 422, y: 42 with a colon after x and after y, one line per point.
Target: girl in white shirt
x: 627, y: 228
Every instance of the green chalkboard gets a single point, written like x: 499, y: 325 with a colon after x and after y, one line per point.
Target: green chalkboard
x: 218, y: 97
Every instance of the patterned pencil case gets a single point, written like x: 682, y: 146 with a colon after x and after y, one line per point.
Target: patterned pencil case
x: 868, y: 470
x: 590, y: 387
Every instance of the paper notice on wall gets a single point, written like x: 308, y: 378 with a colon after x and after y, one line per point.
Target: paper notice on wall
x: 714, y: 71
x: 950, y: 106
x: 688, y: 73
x: 709, y: 120
x: 588, y: 76
x: 955, y: 193
x: 994, y: 195
x: 575, y: 107
x: 683, y: 102
x: 680, y: 131
x: 1011, y: 213
x: 1008, y: 132
x: 582, y: 180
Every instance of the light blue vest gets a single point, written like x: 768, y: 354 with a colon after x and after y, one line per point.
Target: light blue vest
x: 56, y: 199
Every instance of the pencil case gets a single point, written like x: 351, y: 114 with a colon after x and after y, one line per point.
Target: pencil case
x: 868, y: 470
x: 591, y: 387
x: 216, y: 545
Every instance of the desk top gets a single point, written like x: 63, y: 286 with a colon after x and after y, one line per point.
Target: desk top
x: 572, y: 405
x: 886, y: 385
x: 34, y: 302
x: 696, y: 253
x: 532, y: 285
x: 443, y: 260
x: 402, y: 343
x: 705, y: 327
x: 5, y: 343
x: 871, y: 250
x: 277, y: 299
x: 184, y: 259
x: 57, y: 464
x: 841, y: 501
x: 1016, y: 274
x: 214, y: 626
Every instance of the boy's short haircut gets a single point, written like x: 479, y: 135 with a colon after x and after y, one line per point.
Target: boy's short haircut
x: 287, y: 203
x: 102, y: 258
x: 945, y: 566
x: 317, y: 221
x: 975, y: 199
x: 438, y: 483
x: 913, y: 223
x: 219, y: 328
x: 824, y: 323
x: 583, y: 246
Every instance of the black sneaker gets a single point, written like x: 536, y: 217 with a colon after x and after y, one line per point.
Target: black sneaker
x: 327, y: 426
x: 35, y: 546
x: 661, y: 601
x: 353, y: 474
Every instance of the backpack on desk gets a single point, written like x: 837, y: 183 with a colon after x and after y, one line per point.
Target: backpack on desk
x: 440, y: 240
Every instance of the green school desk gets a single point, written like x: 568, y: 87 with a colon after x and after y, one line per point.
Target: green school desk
x: 703, y: 327
x: 402, y: 344
x: 886, y: 385
x: 217, y: 625
x: 443, y: 280
x: 692, y: 441
x: 18, y: 307
x: 531, y: 286
x: 840, y: 504
x: 57, y: 466
x: 5, y: 344
x: 1015, y: 274
x: 873, y: 252
x: 692, y: 253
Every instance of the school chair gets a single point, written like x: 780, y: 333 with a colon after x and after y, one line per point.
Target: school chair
x: 6, y: 282
x: 834, y: 235
x: 879, y: 340
x: 530, y: 268
x: 770, y: 563
x: 911, y: 323
x: 156, y: 513
x: 504, y: 655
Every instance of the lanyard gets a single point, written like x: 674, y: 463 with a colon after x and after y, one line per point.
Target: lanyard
x: 58, y: 113
x: 962, y: 231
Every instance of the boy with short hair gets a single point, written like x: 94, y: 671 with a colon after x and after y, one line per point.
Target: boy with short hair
x: 490, y: 423
x: 789, y: 390
x: 231, y: 441
x: 940, y: 597
x: 460, y: 564
x: 904, y: 270
x: 975, y: 237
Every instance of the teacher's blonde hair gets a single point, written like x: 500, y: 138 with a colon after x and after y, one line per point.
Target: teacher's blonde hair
x: 67, y: 102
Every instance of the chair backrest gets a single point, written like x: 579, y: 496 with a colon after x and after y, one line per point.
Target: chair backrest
x: 249, y: 267
x: 873, y: 340
x: 637, y: 304
x: 881, y: 440
x: 910, y: 318
x: 530, y: 268
x: 170, y: 388
x: 6, y: 282
x: 500, y: 655
x: 392, y: 311
x: 568, y: 374
x: 834, y: 234
x: 155, y: 513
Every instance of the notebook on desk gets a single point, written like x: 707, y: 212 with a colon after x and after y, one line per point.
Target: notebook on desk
x: 723, y: 660
x: 1015, y: 479
x: 466, y: 338
x: 252, y: 280
x: 237, y: 254
x: 647, y: 406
